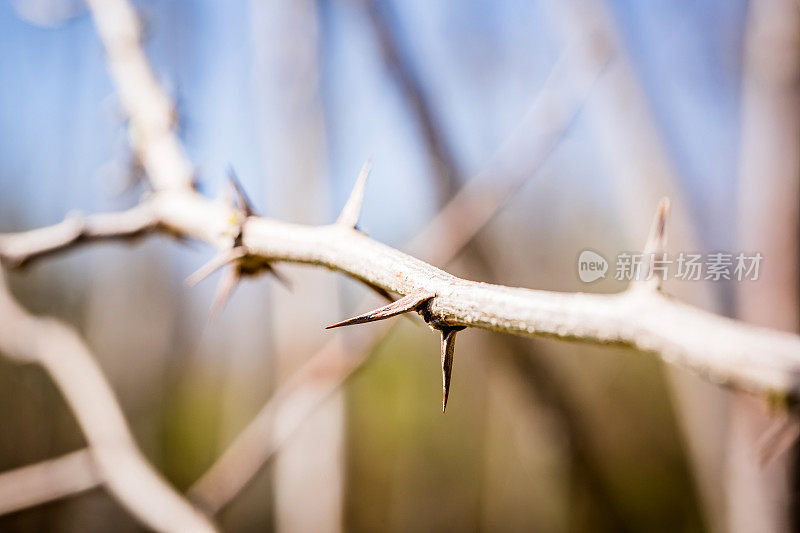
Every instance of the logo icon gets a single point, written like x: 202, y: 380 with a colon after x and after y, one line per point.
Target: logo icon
x: 591, y: 266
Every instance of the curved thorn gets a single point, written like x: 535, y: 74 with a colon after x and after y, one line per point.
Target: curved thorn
x: 242, y: 200
x: 352, y: 209
x: 405, y: 304
x: 448, y: 349
x: 214, y: 264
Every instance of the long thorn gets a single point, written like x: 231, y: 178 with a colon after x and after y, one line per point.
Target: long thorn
x: 448, y: 349
x: 405, y: 304
x: 215, y: 263
x: 352, y: 209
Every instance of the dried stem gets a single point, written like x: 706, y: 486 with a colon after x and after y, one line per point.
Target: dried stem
x: 121, y: 466
x: 727, y: 352
x: 152, y: 118
x: 46, y: 481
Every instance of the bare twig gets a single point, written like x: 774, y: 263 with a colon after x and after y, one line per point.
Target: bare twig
x: 124, y: 470
x: 17, y: 249
x: 152, y: 118
x: 46, y: 481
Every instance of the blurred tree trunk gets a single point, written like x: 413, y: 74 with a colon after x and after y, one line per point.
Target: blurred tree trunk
x: 759, y: 495
x: 308, y: 474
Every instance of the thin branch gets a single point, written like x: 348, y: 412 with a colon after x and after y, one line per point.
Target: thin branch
x: 725, y: 351
x: 152, y: 117
x: 18, y: 249
x: 124, y: 470
x: 48, y: 480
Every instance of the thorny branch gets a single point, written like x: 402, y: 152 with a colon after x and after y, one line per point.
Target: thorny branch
x: 517, y: 356
x: 470, y: 209
x: 727, y: 352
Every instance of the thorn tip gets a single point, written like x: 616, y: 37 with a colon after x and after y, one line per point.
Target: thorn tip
x: 448, y: 334
x: 410, y: 302
x: 352, y: 208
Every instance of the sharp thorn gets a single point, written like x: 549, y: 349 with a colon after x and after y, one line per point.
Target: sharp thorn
x: 224, y: 290
x: 242, y: 200
x: 654, y: 249
x: 657, y: 240
x: 352, y: 209
x: 448, y: 349
x: 214, y: 264
x: 405, y: 304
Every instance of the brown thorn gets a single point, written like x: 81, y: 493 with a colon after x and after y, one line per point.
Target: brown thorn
x: 215, y: 263
x: 242, y: 200
x: 352, y: 209
x: 448, y: 350
x: 405, y: 304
